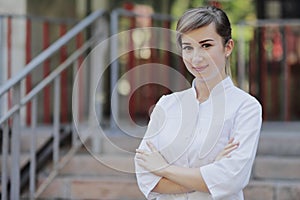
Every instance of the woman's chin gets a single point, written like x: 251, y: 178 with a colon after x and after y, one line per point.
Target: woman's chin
x: 207, y: 77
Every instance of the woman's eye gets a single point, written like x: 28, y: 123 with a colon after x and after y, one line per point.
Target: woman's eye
x: 187, y: 48
x: 205, y: 46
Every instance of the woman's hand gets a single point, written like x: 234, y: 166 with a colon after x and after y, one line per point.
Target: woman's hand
x: 225, y: 153
x: 154, y: 162
x: 151, y: 160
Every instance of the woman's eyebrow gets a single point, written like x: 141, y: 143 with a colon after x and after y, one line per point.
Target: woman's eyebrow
x: 207, y: 40
x: 200, y: 42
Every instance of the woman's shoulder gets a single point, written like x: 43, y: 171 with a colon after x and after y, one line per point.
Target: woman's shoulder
x: 173, y: 99
x: 239, y: 96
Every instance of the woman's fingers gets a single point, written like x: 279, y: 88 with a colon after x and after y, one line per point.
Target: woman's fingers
x: 231, y: 146
x: 141, y: 151
x: 229, y: 149
x: 141, y: 154
x: 151, y: 146
x: 230, y: 140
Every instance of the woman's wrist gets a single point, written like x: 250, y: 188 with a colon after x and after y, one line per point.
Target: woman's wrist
x: 167, y: 171
x: 163, y: 172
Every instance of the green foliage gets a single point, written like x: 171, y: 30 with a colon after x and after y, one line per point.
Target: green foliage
x: 237, y: 11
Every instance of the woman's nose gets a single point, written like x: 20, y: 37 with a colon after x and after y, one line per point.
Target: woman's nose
x: 197, y: 57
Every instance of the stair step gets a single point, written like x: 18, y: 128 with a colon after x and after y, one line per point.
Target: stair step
x: 42, y: 136
x: 85, y: 177
x: 270, y: 167
x: 280, y: 144
x: 24, y: 158
x: 283, y: 127
x: 281, y: 139
x: 110, y: 175
x: 110, y: 188
x: 112, y: 144
x: 272, y: 190
x: 87, y: 164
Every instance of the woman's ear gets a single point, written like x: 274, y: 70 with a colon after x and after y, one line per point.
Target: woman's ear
x: 229, y: 47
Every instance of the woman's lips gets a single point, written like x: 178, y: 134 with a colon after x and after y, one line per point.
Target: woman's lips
x: 200, y: 68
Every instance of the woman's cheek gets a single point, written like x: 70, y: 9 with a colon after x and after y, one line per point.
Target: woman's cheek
x: 188, y: 65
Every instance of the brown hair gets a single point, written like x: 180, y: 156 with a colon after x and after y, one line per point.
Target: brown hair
x: 203, y: 16
x: 198, y: 17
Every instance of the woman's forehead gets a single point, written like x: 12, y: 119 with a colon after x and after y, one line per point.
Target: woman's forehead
x: 201, y: 34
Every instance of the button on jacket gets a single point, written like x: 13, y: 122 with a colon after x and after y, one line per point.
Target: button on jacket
x: 191, y: 134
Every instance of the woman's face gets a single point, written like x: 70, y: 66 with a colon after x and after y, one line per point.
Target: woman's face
x: 204, y: 53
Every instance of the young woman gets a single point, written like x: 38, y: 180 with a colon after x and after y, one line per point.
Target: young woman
x: 187, y: 151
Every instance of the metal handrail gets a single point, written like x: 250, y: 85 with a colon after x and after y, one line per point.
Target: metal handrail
x: 34, y: 63
x: 14, y: 112
x: 47, y: 80
x: 70, y: 21
x: 271, y: 22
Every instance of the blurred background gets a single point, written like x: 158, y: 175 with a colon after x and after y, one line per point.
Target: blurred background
x: 68, y: 67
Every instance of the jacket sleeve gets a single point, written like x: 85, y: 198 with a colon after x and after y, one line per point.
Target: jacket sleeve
x: 229, y: 176
x: 145, y: 179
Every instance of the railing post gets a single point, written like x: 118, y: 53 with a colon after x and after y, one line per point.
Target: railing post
x: 241, y: 58
x: 56, y: 121
x: 15, y: 143
x: 75, y: 104
x: 114, y: 69
x: 28, y: 80
x: 64, y: 77
x: 5, y: 146
x: 47, y: 70
x: 2, y: 60
x: 33, y: 148
x: 8, y: 56
x: 287, y: 77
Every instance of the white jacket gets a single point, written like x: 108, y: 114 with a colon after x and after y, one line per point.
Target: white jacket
x: 191, y: 134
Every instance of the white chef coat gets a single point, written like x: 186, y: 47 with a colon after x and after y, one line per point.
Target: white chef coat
x: 191, y: 134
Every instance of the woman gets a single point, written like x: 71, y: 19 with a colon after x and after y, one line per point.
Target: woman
x: 187, y: 151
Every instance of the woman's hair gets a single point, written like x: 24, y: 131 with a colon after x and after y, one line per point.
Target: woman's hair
x: 203, y: 16
x: 198, y: 17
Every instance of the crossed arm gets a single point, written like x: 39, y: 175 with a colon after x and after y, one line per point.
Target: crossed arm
x: 176, y: 179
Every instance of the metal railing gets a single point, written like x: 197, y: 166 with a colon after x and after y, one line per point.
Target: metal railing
x: 269, y: 66
x: 25, y: 47
x: 12, y: 117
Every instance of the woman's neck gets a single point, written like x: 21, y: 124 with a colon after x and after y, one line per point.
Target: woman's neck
x: 204, y: 88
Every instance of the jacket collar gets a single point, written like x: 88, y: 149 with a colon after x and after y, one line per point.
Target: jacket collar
x: 224, y: 85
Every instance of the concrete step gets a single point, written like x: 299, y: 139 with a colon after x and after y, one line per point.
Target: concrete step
x: 24, y: 158
x: 279, y: 143
x: 95, y: 177
x: 110, y: 175
x: 43, y: 133
x: 272, y: 190
x: 271, y: 167
x: 112, y: 144
x: 278, y: 139
x: 100, y: 165
x: 114, y: 188
x: 93, y: 187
